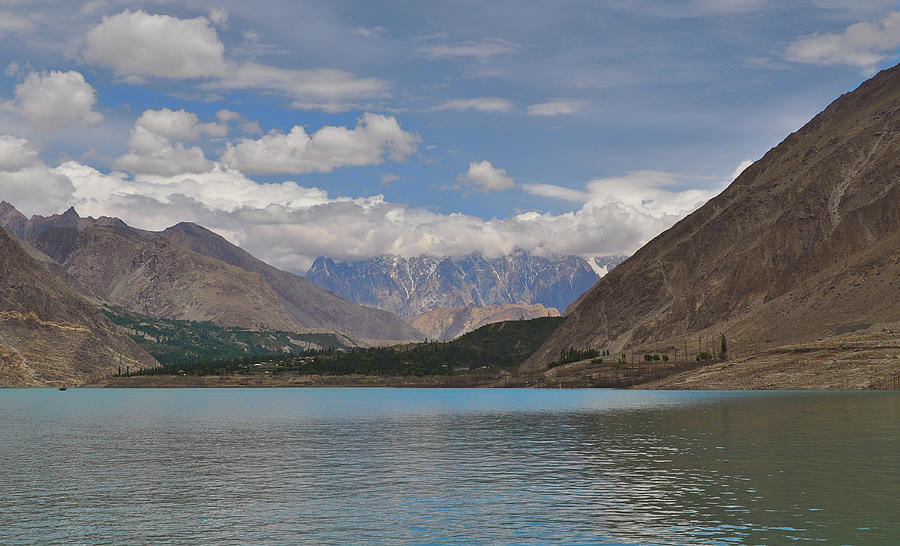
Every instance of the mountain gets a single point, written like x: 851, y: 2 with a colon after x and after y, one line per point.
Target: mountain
x: 410, y: 287
x: 149, y: 274
x: 803, y: 245
x: 308, y: 304
x: 442, y: 323
x: 161, y: 275
x: 49, y: 335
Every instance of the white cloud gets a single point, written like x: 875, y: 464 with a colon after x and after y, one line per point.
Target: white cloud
x: 327, y: 89
x: 51, y: 101
x: 374, y: 138
x: 648, y: 193
x: 13, y: 23
x: 485, y: 177
x: 224, y: 116
x: 289, y: 225
x: 26, y: 182
x: 369, y: 32
x: 480, y: 50
x: 480, y: 104
x: 865, y: 45
x: 740, y: 168
x: 555, y: 108
x: 219, y: 17
x: 151, y: 150
x: 137, y: 43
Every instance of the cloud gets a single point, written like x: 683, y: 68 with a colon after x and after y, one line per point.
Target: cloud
x: 137, y: 44
x: 369, y: 32
x: 740, y: 168
x: 864, y: 45
x: 481, y: 104
x: 324, y: 88
x: 51, y: 101
x: 485, y: 177
x: 289, y: 225
x: 374, y: 138
x: 555, y: 108
x: 13, y: 23
x: 219, y: 17
x: 649, y: 193
x: 151, y: 150
x: 480, y: 50
x: 26, y: 182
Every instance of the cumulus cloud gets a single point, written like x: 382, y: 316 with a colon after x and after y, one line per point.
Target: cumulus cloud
x: 26, y: 182
x: 51, y: 101
x: 865, y: 45
x: 289, y: 225
x: 137, y: 44
x: 649, y: 193
x: 480, y: 50
x: 374, y: 138
x: 555, y: 108
x: 324, y: 88
x: 151, y: 149
x: 485, y: 177
x: 480, y: 104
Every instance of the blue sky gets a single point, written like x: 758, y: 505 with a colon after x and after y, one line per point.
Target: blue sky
x: 350, y: 129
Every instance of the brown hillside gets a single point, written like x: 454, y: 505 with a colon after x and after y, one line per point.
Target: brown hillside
x: 49, y: 335
x: 804, y: 244
x: 449, y: 323
x: 308, y: 304
x: 153, y: 276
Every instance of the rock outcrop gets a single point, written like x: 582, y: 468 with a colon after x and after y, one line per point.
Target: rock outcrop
x: 803, y: 245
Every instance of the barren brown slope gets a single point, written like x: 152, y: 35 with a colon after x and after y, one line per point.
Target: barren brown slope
x: 804, y: 244
x: 308, y: 304
x: 156, y: 277
x: 49, y: 335
x: 449, y: 323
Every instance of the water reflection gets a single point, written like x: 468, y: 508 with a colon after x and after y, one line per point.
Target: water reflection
x: 425, y: 466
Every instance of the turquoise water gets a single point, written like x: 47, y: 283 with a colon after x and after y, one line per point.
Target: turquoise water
x: 446, y: 465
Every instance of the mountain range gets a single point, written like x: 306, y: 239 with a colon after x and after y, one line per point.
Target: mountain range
x: 803, y: 246
x: 190, y: 273
x: 409, y: 287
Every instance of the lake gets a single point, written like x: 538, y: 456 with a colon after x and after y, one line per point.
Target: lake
x: 448, y: 465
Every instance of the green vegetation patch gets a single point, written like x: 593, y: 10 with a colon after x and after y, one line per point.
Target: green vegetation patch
x: 488, y: 350
x: 185, y: 342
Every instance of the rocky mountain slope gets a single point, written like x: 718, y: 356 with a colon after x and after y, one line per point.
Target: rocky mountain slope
x: 49, y: 335
x: 443, y: 323
x: 189, y: 273
x: 804, y: 245
x: 308, y: 304
x: 410, y: 287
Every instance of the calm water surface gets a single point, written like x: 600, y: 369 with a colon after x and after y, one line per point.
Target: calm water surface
x: 386, y: 465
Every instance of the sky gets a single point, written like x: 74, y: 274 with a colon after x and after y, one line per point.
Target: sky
x: 356, y: 128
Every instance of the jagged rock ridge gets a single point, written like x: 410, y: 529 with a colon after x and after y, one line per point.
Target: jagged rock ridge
x: 410, y: 287
x: 804, y: 244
